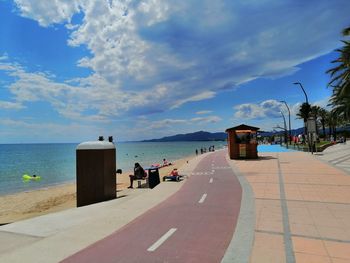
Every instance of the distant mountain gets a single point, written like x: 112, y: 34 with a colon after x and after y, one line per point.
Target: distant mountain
x: 208, y: 136
x: 270, y: 133
x: 195, y: 136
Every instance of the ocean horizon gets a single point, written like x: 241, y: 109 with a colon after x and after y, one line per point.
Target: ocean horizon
x: 55, y: 163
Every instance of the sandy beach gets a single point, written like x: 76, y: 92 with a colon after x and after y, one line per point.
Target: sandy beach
x: 15, y: 207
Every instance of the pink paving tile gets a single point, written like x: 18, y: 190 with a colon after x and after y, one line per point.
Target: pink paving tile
x: 339, y: 260
x: 309, y: 246
x: 268, y: 248
x: 304, y: 230
x: 338, y: 233
x: 301, y: 219
x: 338, y: 249
x: 265, y: 240
x: 270, y: 225
x: 308, y: 258
x: 261, y: 255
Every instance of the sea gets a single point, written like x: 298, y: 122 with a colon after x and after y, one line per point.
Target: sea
x: 55, y: 163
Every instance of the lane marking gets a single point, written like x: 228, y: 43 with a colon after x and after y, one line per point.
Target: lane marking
x: 211, y: 180
x: 161, y: 240
x: 202, y: 198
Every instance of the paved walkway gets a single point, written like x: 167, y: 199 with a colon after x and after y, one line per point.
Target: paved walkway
x: 295, y: 208
x: 302, y: 208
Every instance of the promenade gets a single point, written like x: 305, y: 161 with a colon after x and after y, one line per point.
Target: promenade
x: 301, y: 204
x: 282, y: 207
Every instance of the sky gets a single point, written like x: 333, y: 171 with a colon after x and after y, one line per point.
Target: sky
x: 72, y: 70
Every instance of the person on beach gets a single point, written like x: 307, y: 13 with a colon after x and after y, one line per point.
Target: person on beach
x: 165, y: 163
x: 173, y: 176
x: 139, y: 173
x: 196, y: 152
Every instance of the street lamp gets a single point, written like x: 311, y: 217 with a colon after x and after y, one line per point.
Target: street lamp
x: 301, y: 86
x: 290, y: 131
x: 285, y: 129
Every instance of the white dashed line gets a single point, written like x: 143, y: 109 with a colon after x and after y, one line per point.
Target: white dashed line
x: 202, y: 198
x: 202, y: 173
x: 211, y: 180
x: 161, y: 240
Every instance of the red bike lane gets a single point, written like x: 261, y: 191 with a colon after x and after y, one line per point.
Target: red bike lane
x: 195, y: 224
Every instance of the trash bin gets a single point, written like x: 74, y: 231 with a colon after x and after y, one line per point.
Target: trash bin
x: 96, y: 172
x: 153, y: 177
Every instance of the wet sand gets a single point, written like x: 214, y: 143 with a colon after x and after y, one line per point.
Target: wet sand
x: 15, y: 207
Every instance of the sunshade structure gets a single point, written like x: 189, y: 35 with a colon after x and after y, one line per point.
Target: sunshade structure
x: 242, y: 143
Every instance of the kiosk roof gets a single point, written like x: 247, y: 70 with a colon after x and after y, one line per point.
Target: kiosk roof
x: 243, y: 127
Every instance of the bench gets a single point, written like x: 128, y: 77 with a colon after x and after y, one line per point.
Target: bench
x: 140, y: 180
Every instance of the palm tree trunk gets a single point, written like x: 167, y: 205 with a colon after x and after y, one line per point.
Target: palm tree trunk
x: 324, y: 130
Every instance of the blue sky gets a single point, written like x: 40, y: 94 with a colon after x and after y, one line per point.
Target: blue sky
x: 73, y: 70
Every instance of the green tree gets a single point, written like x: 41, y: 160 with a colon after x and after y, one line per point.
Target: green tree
x: 304, y: 113
x: 340, y: 79
x: 322, y: 113
x: 346, y: 31
x: 341, y: 104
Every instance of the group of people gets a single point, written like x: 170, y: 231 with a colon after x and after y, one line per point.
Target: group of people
x: 140, y: 173
x: 204, y: 149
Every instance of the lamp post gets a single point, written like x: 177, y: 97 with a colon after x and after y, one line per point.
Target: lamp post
x: 301, y: 86
x: 285, y: 129
x: 307, y: 132
x: 290, y: 130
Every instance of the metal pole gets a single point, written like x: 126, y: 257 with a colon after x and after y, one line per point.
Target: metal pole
x: 290, y: 129
x: 285, y: 129
x: 301, y: 86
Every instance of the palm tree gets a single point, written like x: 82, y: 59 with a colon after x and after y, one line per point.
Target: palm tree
x: 304, y: 113
x: 341, y: 104
x: 346, y: 31
x: 315, y: 111
x: 340, y: 79
x: 340, y: 74
x: 322, y: 113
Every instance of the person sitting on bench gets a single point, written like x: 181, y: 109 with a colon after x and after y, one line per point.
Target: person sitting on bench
x: 173, y: 176
x: 139, y: 173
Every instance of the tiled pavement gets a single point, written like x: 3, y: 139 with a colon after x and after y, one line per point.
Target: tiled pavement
x: 302, y: 208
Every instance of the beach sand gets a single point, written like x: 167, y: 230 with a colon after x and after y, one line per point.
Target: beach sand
x: 15, y: 207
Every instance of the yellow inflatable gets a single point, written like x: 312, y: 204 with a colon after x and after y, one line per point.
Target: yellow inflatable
x: 27, y: 177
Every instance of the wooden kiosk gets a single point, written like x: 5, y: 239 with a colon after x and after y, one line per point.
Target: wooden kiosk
x: 242, y: 143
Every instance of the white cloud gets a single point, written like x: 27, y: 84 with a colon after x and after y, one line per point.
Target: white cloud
x: 265, y: 109
x: 209, y: 119
x: 48, y: 12
x: 10, y: 105
x: 173, y: 124
x: 166, y: 123
x: 44, y: 132
x: 198, y: 97
x: 155, y: 50
x: 204, y: 112
x: 322, y: 103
